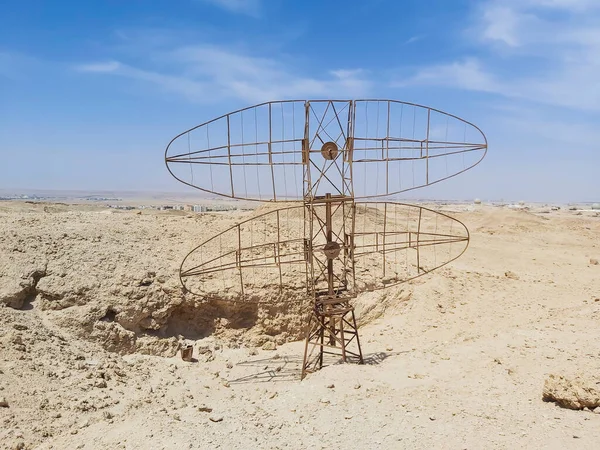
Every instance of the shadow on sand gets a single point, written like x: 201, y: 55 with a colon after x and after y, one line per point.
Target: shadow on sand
x: 289, y: 368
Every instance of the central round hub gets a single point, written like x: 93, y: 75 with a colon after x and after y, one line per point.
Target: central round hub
x: 329, y: 150
x: 331, y: 250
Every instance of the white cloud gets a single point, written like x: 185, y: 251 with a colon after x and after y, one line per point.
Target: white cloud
x: 501, y: 24
x: 464, y: 74
x: 208, y: 73
x: 414, y: 39
x: 248, y: 7
x: 102, y: 67
x: 526, y: 53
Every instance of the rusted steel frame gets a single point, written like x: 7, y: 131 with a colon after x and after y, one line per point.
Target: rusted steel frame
x: 230, y: 252
x: 338, y: 121
x: 482, y: 146
x: 305, y: 153
x: 229, y: 153
x: 427, y: 146
x: 325, y: 352
x: 322, y: 269
x: 411, y: 159
x: 243, y: 144
x: 324, y: 128
x: 278, y: 257
x: 321, y: 176
x: 414, y: 141
x: 422, y: 243
x: 258, y: 247
x: 409, y: 207
x: 387, y: 154
x: 398, y: 102
x: 418, y: 237
x: 341, y: 171
x: 322, y: 101
x: 353, y: 325
x: 352, y: 246
x: 384, y: 228
x: 311, y: 247
x: 319, y: 123
x: 270, y: 151
x: 239, y: 256
x: 233, y: 266
x: 364, y: 197
x: 228, y: 230
x: 333, y: 199
x: 397, y: 233
x: 202, y: 159
x: 208, y: 163
x: 236, y: 112
x: 407, y: 246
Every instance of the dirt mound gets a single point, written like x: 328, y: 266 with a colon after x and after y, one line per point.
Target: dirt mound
x: 112, y: 278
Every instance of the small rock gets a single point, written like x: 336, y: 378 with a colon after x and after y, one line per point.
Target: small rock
x: 357, y: 386
x: 594, y: 262
x: 229, y: 365
x: 596, y: 410
x: 203, y: 408
x: 3, y: 402
x: 19, y: 446
x: 107, y: 415
x: 100, y: 383
x: 389, y: 348
x: 269, y: 346
x: 202, y: 349
x: 330, y: 386
x: 325, y: 400
x: 177, y: 417
x: 273, y: 395
x: 20, y: 327
x: 216, y: 418
x: 573, y: 393
x: 432, y: 418
x: 226, y: 383
x: 511, y: 275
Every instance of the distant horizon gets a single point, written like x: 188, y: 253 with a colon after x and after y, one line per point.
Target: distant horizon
x: 210, y: 196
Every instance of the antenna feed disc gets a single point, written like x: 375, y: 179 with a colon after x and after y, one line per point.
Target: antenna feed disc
x: 329, y: 150
x: 331, y: 250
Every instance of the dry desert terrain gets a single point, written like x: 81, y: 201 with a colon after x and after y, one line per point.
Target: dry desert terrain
x: 92, y: 313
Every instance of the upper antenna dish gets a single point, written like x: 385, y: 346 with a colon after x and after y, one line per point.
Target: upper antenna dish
x: 282, y: 151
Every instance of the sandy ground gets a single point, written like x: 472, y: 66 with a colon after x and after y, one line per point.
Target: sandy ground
x: 456, y: 359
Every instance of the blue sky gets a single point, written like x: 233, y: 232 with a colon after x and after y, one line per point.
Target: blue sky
x: 91, y: 92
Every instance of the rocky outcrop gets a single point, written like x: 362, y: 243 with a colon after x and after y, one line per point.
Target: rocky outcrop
x: 577, y: 392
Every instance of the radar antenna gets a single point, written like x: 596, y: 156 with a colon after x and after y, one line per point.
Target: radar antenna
x: 337, y: 164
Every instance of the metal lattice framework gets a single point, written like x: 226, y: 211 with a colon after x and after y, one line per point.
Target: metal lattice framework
x: 328, y: 160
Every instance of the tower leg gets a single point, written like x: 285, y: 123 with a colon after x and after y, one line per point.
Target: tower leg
x: 337, y: 321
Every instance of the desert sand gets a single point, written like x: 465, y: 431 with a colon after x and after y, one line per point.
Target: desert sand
x: 470, y: 356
